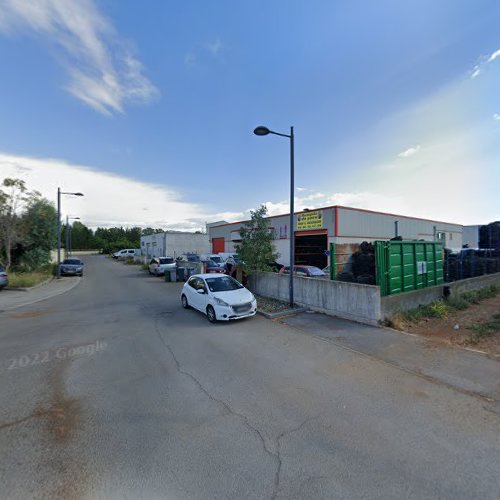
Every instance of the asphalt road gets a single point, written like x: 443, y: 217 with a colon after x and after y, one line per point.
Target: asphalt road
x: 112, y: 390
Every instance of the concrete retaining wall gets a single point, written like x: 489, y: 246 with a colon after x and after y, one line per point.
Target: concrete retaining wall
x: 361, y: 303
x: 411, y: 300
x: 345, y: 300
x: 458, y: 287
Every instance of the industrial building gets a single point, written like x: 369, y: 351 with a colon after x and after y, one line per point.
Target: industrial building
x: 344, y: 226
x: 174, y: 244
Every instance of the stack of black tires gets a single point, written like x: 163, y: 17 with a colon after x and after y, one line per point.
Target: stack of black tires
x: 489, y: 236
x: 362, y: 265
x: 469, y: 263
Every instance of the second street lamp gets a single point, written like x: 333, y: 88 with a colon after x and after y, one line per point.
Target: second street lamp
x: 68, y: 234
x: 261, y: 130
x: 59, y: 193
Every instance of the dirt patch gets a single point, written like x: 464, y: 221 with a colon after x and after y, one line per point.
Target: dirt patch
x: 457, y: 328
x: 31, y: 314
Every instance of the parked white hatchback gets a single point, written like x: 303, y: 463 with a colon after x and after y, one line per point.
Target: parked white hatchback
x: 220, y: 297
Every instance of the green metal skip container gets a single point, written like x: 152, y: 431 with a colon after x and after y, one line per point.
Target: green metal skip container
x: 402, y: 266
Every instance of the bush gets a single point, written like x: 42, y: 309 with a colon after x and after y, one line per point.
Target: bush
x: 438, y: 309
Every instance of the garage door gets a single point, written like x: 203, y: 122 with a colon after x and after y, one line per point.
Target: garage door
x: 217, y: 245
x: 310, y: 248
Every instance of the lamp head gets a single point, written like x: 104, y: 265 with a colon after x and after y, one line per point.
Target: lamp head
x: 261, y: 130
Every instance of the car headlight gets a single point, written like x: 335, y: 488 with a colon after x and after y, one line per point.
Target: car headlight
x: 220, y: 302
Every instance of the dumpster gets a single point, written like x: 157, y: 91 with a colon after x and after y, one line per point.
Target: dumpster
x: 181, y: 273
x: 402, y: 266
x: 170, y: 276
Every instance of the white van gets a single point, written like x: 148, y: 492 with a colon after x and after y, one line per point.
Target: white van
x: 225, y: 255
x: 127, y: 252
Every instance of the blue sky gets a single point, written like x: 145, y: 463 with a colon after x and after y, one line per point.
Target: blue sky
x: 149, y: 106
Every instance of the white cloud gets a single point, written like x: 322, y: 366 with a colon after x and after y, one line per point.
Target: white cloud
x: 215, y: 47
x: 477, y: 69
x: 496, y: 117
x: 110, y: 199
x: 409, y: 152
x: 104, y: 73
x: 494, y: 56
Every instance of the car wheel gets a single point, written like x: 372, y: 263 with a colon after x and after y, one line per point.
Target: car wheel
x: 185, y: 303
x: 211, y: 314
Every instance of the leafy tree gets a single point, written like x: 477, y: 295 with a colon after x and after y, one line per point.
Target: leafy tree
x: 256, y: 250
x: 150, y: 230
x: 39, y: 233
x: 13, y: 198
x: 82, y: 237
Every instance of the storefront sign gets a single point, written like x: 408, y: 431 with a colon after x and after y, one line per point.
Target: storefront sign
x: 310, y: 220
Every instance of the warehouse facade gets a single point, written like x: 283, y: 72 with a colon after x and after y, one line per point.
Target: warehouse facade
x: 174, y: 244
x: 344, y: 226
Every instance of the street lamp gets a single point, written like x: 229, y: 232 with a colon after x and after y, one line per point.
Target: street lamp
x: 261, y: 130
x: 68, y: 234
x: 59, y: 193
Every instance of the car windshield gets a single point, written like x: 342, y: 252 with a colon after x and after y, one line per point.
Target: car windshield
x: 211, y: 263
x: 223, y: 284
x: 315, y: 271
x: 216, y: 259
x: 74, y: 262
x: 166, y: 260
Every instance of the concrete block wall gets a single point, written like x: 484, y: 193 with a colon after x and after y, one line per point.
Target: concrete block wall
x: 351, y: 301
x: 411, y: 300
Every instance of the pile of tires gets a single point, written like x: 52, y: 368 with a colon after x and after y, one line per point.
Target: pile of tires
x: 363, y: 266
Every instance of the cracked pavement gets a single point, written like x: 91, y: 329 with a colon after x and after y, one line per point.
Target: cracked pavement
x: 170, y: 406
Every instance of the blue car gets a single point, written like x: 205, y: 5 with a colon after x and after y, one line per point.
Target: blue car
x: 71, y: 267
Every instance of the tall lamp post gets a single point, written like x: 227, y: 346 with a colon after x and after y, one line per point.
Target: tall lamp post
x: 68, y: 234
x: 265, y: 131
x: 59, y: 193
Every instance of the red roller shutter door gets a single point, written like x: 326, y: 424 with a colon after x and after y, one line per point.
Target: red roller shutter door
x: 218, y: 245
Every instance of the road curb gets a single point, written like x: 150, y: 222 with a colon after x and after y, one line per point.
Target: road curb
x: 288, y: 312
x: 60, y: 292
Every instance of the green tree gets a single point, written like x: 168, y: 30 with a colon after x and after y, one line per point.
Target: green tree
x: 39, y: 229
x: 256, y: 249
x: 14, y: 196
x: 82, y: 237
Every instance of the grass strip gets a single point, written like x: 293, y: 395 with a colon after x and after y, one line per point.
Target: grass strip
x: 27, y: 280
x: 442, y: 308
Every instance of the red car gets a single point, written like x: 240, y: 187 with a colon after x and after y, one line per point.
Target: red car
x: 307, y: 271
x: 213, y: 267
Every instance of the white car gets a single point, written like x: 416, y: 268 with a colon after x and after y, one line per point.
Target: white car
x: 126, y: 252
x: 220, y: 297
x: 158, y: 265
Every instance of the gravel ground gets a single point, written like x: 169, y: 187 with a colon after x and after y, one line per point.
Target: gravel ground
x: 271, y: 305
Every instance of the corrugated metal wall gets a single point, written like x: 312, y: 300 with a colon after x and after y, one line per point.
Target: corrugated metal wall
x: 358, y: 224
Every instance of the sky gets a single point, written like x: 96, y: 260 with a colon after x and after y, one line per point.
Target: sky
x: 149, y: 107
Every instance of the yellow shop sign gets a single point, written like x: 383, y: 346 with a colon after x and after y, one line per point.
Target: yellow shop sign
x: 310, y: 220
